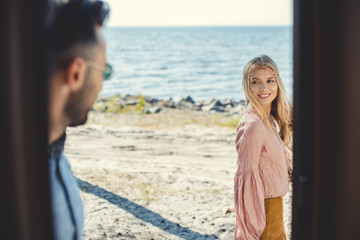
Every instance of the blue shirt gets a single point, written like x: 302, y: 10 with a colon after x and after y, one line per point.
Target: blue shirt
x: 67, y: 212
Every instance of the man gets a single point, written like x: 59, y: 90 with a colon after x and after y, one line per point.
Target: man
x: 78, y: 69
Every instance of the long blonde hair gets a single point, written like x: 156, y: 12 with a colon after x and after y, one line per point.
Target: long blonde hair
x: 281, y: 110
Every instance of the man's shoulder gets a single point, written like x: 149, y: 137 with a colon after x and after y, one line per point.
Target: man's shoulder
x: 66, y: 204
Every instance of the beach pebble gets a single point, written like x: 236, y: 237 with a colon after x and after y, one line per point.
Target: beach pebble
x: 152, y: 110
x: 227, y: 210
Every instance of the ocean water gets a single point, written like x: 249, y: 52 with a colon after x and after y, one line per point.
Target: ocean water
x: 201, y: 62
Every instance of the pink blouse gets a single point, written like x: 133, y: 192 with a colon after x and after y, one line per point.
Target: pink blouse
x: 262, y: 172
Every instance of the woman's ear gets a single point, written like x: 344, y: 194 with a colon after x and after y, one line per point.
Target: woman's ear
x: 75, y: 74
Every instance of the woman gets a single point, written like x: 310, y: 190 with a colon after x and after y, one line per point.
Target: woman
x: 263, y: 163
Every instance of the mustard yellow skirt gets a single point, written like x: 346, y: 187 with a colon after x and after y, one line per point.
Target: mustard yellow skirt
x: 274, y: 229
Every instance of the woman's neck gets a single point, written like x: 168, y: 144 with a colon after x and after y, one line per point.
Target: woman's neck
x: 266, y: 110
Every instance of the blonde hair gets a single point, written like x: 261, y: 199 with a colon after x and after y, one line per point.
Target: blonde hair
x: 281, y: 110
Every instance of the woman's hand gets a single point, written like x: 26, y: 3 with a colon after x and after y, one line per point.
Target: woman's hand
x: 290, y: 171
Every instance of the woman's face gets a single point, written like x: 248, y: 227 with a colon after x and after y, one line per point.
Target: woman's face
x: 263, y: 87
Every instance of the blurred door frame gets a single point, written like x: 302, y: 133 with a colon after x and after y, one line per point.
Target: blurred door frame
x: 326, y: 120
x: 24, y: 201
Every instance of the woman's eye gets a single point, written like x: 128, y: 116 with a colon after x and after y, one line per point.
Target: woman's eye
x: 254, y: 82
x: 271, y: 81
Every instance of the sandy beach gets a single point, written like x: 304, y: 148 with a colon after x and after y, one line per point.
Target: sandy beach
x: 157, y: 176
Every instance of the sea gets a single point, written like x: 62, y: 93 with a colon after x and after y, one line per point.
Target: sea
x: 201, y: 62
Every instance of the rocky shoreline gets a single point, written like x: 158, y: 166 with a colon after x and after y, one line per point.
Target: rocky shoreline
x: 149, y: 105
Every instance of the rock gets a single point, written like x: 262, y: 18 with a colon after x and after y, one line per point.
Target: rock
x: 221, y: 230
x: 119, y: 102
x: 217, y: 109
x: 169, y: 104
x: 189, y: 99
x: 152, y: 110
x: 152, y: 101
x: 237, y: 109
x: 177, y: 100
x: 103, y: 108
x: 214, y: 106
x: 216, y: 103
x: 102, y: 99
x: 227, y: 210
x: 228, y: 107
x: 228, y: 102
x: 206, y: 108
x: 196, y: 107
x: 131, y: 102
x: 209, y: 101
x: 187, y: 105
x: 199, y: 103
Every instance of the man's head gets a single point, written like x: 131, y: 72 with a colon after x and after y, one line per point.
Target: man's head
x: 78, y: 52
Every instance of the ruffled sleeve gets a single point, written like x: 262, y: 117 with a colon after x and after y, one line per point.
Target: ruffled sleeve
x: 248, y: 186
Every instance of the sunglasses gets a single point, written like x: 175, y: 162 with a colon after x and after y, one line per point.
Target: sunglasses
x: 107, y: 69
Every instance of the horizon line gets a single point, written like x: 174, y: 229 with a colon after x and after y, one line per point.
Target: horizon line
x: 144, y: 26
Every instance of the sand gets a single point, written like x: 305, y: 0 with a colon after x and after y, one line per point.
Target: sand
x: 155, y: 181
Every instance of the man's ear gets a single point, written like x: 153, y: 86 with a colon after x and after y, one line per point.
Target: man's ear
x: 75, y: 75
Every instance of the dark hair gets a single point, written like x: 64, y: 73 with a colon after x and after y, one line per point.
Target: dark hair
x: 73, y: 29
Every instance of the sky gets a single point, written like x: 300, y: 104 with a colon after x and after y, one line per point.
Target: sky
x: 200, y: 12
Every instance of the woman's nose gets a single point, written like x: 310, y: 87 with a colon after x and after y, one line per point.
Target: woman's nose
x: 262, y: 86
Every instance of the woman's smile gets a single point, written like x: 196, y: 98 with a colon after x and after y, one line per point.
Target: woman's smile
x: 263, y: 96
